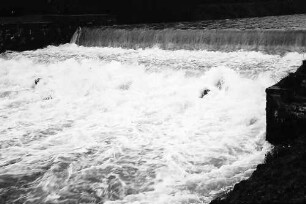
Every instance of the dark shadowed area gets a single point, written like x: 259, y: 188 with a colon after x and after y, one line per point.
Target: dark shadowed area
x: 146, y: 11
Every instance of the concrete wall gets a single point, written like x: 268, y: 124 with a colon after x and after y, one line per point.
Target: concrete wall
x: 286, y: 108
x: 48, y: 30
x: 21, y: 37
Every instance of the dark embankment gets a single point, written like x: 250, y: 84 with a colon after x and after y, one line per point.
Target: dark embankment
x: 33, y: 35
x: 33, y: 32
x: 282, y: 178
x: 139, y: 11
x: 194, y: 39
x: 149, y: 11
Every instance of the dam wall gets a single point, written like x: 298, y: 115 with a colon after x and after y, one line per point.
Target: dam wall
x: 266, y: 40
x: 20, y: 37
x: 33, y: 32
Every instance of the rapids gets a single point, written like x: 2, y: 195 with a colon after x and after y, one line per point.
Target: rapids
x: 114, y: 125
x: 111, y: 124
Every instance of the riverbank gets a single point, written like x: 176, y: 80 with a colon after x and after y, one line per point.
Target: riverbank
x: 33, y: 32
x: 282, y: 177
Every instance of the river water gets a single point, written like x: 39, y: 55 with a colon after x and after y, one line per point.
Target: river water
x: 119, y: 125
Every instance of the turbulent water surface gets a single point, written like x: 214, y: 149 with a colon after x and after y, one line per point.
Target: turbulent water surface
x: 114, y: 125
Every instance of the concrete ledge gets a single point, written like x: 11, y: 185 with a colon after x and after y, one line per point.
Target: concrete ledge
x: 286, y: 108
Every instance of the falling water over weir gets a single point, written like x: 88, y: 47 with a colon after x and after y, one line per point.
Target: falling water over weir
x: 232, y: 35
x: 270, y: 41
x: 120, y: 117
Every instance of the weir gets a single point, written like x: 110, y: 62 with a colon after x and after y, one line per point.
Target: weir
x: 270, y: 41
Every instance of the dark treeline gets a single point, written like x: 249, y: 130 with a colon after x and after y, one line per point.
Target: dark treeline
x: 148, y: 11
x: 26, y: 7
x: 137, y: 11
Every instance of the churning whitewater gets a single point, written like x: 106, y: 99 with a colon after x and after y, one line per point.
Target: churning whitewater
x: 113, y: 125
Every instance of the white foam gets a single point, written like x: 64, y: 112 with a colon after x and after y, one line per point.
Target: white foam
x: 129, y: 126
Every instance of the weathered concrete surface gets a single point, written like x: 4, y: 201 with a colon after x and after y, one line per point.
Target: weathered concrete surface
x: 282, y: 177
x: 286, y: 108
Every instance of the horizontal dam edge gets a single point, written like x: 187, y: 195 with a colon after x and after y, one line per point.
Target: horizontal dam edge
x: 269, y: 41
